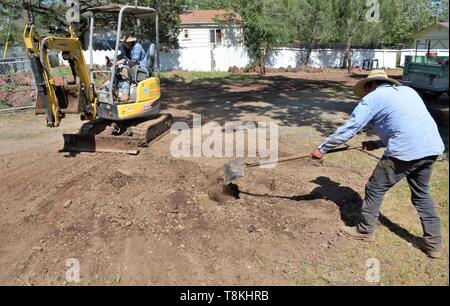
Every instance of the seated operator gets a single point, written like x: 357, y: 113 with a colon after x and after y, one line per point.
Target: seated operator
x: 131, y: 52
x: 130, y: 57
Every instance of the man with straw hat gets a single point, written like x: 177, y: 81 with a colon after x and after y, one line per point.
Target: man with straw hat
x: 131, y: 52
x: 131, y: 56
x: 404, y: 125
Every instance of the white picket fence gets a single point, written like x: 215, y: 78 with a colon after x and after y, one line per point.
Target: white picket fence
x: 222, y: 58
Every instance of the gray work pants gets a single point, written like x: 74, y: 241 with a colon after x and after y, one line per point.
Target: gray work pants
x: 390, y: 171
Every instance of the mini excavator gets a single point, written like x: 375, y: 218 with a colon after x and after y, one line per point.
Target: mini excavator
x: 113, y: 124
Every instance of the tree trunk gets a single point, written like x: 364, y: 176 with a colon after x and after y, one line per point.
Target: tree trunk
x: 346, y: 63
x: 308, y: 56
x: 312, y: 42
x: 262, y: 62
x: 349, y: 65
x: 266, y: 51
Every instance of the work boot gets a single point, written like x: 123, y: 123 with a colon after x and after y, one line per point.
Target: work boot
x: 430, y: 251
x: 352, y: 233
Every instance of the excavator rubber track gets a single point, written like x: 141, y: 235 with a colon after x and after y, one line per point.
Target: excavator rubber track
x: 101, y: 136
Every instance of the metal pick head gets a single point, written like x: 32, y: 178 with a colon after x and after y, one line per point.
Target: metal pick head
x: 233, y: 171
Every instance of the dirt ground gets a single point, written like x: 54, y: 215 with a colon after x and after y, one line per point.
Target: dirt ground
x: 148, y: 219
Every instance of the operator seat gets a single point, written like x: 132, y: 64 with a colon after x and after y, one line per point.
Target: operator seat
x: 151, y: 57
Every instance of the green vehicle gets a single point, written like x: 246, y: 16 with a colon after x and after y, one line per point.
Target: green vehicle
x: 427, y: 74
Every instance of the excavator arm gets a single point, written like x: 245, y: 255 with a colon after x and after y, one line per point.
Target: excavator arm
x: 53, y: 94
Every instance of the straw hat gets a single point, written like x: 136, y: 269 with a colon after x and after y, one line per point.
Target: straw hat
x: 375, y: 75
x: 128, y: 38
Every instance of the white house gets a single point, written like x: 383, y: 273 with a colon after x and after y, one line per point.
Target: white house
x: 209, y: 40
x: 211, y: 28
x: 437, y: 34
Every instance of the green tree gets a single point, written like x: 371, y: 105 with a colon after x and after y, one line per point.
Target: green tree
x: 52, y: 12
x: 309, y: 23
x: 208, y: 4
x: 349, y: 16
x: 169, y: 17
x: 268, y: 23
x: 443, y: 11
x: 13, y: 17
x: 264, y: 27
x: 10, y: 26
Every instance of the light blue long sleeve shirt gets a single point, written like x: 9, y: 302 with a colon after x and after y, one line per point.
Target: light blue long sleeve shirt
x: 137, y: 55
x: 401, y: 120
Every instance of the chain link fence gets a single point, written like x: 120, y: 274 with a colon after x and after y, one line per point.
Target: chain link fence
x: 17, y: 89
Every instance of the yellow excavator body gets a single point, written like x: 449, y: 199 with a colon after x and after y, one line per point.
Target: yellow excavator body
x: 114, y: 124
x: 148, y: 93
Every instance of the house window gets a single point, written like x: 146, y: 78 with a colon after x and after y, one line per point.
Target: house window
x: 215, y: 36
x: 218, y: 36
x: 186, y: 34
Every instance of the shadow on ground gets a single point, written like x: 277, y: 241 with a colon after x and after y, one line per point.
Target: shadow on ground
x: 349, y: 203
x: 290, y: 101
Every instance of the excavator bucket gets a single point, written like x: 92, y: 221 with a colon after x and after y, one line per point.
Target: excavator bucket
x: 101, y: 136
x: 68, y: 93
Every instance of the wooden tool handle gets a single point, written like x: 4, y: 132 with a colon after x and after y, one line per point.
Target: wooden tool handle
x: 297, y: 157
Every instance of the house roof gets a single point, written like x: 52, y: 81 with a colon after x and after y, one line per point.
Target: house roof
x: 435, y: 26
x: 209, y: 17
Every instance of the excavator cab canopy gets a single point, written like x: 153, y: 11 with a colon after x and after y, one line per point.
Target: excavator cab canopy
x: 138, y: 12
